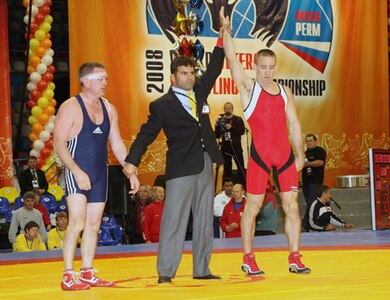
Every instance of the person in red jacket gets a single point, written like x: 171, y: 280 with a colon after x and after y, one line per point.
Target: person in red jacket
x: 231, y: 216
x: 42, y: 209
x: 152, y: 216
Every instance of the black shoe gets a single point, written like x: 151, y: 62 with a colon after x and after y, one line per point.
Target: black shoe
x: 207, y: 277
x: 164, y: 279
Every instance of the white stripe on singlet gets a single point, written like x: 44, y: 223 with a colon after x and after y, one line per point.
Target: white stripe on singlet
x: 69, y: 179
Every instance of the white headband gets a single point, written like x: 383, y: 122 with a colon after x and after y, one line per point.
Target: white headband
x: 101, y: 75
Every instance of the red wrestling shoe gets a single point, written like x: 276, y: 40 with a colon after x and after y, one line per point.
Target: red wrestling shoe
x: 249, y: 266
x: 296, y: 266
x: 70, y: 282
x: 88, y: 276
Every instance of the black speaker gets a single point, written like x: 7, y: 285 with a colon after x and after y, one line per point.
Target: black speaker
x: 118, y: 191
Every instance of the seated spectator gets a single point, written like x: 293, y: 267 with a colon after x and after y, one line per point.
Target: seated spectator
x: 42, y: 209
x: 152, y: 216
x: 219, y: 203
x: 134, y: 224
x: 24, y: 215
x: 56, y: 236
x: 231, y: 216
x: 29, y: 240
x: 321, y: 216
x: 266, y: 219
x: 33, y: 178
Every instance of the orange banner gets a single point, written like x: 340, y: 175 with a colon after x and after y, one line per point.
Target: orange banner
x: 332, y: 54
x: 6, y: 158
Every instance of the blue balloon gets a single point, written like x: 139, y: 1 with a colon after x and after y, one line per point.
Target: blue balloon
x: 199, y: 27
x: 196, y: 3
x: 198, y: 50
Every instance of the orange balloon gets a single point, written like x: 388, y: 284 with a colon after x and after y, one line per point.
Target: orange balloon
x: 43, y: 118
x: 49, y: 110
x: 30, y: 69
x: 34, y: 60
x: 32, y: 136
x: 37, y: 128
x: 26, y: 3
x: 46, y: 43
x: 48, y: 35
x: 40, y: 51
x: 53, y: 102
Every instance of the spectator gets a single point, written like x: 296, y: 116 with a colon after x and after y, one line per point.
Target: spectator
x: 42, y: 209
x: 219, y: 203
x: 266, y: 219
x: 152, y: 216
x: 321, y: 216
x: 312, y: 173
x: 56, y: 236
x: 230, y: 128
x: 232, y: 213
x: 25, y: 214
x: 29, y: 240
x: 142, y: 201
x: 32, y: 178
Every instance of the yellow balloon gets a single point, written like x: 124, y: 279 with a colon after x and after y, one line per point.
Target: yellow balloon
x: 45, y: 26
x: 48, y: 93
x: 43, y: 102
x: 34, y: 44
x: 45, y: 167
x: 50, y: 160
x: 36, y: 111
x: 40, y: 34
x: 51, y: 86
x: 32, y: 120
x: 49, y: 19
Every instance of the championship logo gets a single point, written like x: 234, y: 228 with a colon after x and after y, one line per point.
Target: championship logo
x: 304, y: 27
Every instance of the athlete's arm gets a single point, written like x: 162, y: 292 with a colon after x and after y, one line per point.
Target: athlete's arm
x: 119, y: 148
x: 243, y: 82
x: 295, y: 130
x: 64, y: 122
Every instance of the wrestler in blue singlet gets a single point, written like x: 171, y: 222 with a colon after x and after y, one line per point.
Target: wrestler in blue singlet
x: 89, y: 151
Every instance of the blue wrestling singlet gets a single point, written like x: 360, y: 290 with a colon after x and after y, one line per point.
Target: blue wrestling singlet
x: 89, y: 151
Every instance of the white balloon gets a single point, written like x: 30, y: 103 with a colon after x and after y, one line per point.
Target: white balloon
x: 25, y: 19
x: 50, y: 52
x: 35, y: 153
x: 38, y: 145
x: 44, y: 136
x: 49, y: 126
x: 52, y: 119
x: 35, y: 77
x: 34, y: 10
x: 31, y: 86
x: 42, y: 68
x: 39, y: 3
x: 47, y: 59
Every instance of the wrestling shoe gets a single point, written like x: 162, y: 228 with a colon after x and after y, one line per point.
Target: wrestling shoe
x: 249, y: 266
x: 296, y: 266
x: 88, y: 276
x: 70, y: 282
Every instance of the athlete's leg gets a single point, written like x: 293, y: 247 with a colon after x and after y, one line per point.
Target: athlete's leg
x: 77, y: 208
x: 90, y: 234
x: 292, y: 224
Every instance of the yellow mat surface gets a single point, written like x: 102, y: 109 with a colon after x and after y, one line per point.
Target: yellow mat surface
x: 336, y: 274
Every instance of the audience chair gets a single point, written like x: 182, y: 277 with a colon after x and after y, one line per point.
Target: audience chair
x: 19, y: 202
x: 10, y: 193
x: 49, y: 202
x: 5, y: 211
x: 56, y: 191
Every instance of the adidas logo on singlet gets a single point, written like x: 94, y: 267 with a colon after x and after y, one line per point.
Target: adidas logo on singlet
x: 98, y: 130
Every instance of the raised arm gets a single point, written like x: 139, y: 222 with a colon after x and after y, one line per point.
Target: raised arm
x: 243, y: 82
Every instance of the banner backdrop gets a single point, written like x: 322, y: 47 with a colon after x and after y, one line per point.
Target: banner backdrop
x: 332, y: 54
x: 6, y: 157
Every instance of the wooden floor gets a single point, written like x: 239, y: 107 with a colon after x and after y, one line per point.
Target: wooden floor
x: 353, y: 265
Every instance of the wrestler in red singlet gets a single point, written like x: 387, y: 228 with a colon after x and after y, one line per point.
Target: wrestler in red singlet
x: 270, y: 149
